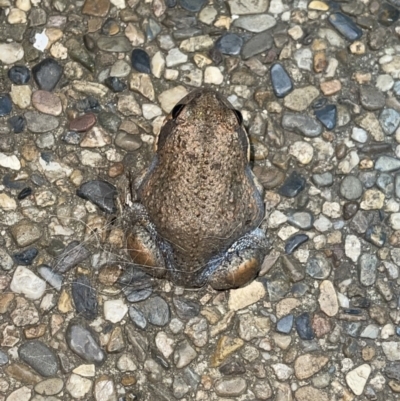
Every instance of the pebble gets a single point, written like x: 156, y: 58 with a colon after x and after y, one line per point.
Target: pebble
x: 47, y: 102
x: 294, y: 242
x: 26, y: 257
x: 140, y: 61
x: 357, y: 378
x: 359, y: 135
x: 47, y: 74
x: 302, y: 151
x: 50, y: 276
x: 25, y: 233
x: 368, y: 267
x: 111, y: 44
x: 351, y: 188
x: 39, y: 123
x: 323, y: 179
x: 281, y: 81
x: 21, y: 96
x: 19, y: 75
x: 388, y: 14
x: 5, y: 105
x: 40, y: 357
x: 175, y: 57
x: 81, y: 341
x: 115, y: 310
x: 83, y: 123
x: 26, y: 282
x: 345, y: 25
x: 327, y: 115
x: 84, y: 296
x: 171, y: 97
x: 17, y: 124
x: 301, y: 98
x: 285, y: 324
x: 11, y: 53
x: 73, y: 254
x: 101, y: 193
x: 155, y: 310
x: 327, y: 299
x: 192, y: 5
x: 293, y: 185
x: 371, y: 98
x: 230, y: 44
x: 257, y: 44
x: 318, y: 267
x: 115, y: 84
x: 242, y: 297
x: 304, y: 329
x: 255, y: 23
x: 387, y: 164
x: 389, y: 120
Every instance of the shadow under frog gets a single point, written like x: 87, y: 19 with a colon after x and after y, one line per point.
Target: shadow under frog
x: 199, y: 205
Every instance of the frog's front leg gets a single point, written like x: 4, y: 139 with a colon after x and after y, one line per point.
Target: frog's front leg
x: 241, y: 263
x: 142, y: 243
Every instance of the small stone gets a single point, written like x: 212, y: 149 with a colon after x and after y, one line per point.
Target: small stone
x: 192, y: 5
x: 17, y: 124
x: 115, y: 84
x: 53, y: 278
x: 112, y: 44
x: 84, y: 296
x: 19, y: 75
x: 213, y: 75
x: 115, y: 310
x: 351, y: 188
x: 318, y: 267
x: 96, y: 8
x: 281, y: 81
x: 308, y: 365
x: 25, y: 233
x: 21, y: 96
x: 245, y: 296
x: 330, y: 88
x: 304, y: 328
x: 257, y: 44
x: 5, y: 105
x: 140, y: 61
x: 101, y: 193
x: 345, y: 25
x: 83, y: 123
x: 230, y: 44
x: 323, y: 180
x: 372, y: 199
x: 371, y: 98
x: 387, y: 164
x: 40, y: 357
x: 25, y: 282
x: 318, y: 5
x: 389, y: 120
x: 301, y: 98
x: 26, y: 257
x: 285, y: 324
x: 47, y: 74
x: 241, y: 7
x: 171, y: 97
x: 47, y: 102
x: 155, y: 310
x: 327, y: 299
x: 388, y: 14
x: 301, y: 124
x: 357, y: 48
x: 293, y: 185
x: 306, y: 393
x: 359, y: 135
x: 357, y: 378
x: 230, y: 387
x: 352, y: 247
x: 255, y: 23
x: 368, y: 269
x: 302, y: 151
x: 74, y: 253
x: 327, y: 115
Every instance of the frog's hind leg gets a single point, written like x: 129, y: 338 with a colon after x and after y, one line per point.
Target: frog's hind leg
x: 142, y: 243
x: 241, y: 264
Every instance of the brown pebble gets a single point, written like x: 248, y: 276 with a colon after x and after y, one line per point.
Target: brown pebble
x: 96, y: 8
x: 394, y: 239
x: 128, y: 380
x: 349, y: 210
x: 368, y: 353
x: 35, y: 331
x: 83, y: 123
x: 320, y: 62
x: 329, y: 88
x: 269, y: 177
x: 395, y: 386
x: 340, y: 151
x: 47, y: 102
x: 109, y: 275
x: 116, y: 170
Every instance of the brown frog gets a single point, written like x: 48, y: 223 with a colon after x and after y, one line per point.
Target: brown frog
x: 199, y: 205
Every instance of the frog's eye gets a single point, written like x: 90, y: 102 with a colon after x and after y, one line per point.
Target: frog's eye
x: 177, y: 110
x: 239, y: 116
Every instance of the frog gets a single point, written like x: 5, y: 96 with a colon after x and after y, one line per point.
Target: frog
x: 196, y: 216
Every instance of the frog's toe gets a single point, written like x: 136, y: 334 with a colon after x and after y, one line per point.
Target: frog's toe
x: 144, y: 251
x: 238, y: 271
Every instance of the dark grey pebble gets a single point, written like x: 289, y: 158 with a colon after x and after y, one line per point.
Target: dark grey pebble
x: 109, y: 121
x: 10, y: 182
x: 352, y: 328
x: 72, y: 138
x: 349, y: 210
x: 345, y: 25
x: 136, y: 284
x: 387, y: 164
x: 53, y: 278
x: 277, y: 288
x: 5, y: 105
x: 89, y: 104
x: 293, y: 185
x: 17, y: 124
x: 133, y: 295
x: 137, y: 317
x: 74, y: 253
x: 100, y: 193
x: 39, y: 357
x: 19, y: 74
x: 376, y: 235
x: 389, y: 120
x: 3, y: 358
x: 230, y: 43
x: 81, y: 341
x: 388, y: 14
x: 89, y: 42
x: 327, y: 115
x: 299, y: 289
x: 26, y: 257
x: 385, y: 182
x: 323, y: 179
x: 155, y: 310
x: 392, y: 370
x: 84, y: 296
x: 115, y: 84
x: 233, y: 368
x: 301, y: 124
x: 27, y: 191
x: 368, y: 265
x: 294, y: 242
x: 186, y: 308
x: 371, y: 97
x: 186, y: 33
x: 318, y: 267
x: 39, y: 123
x: 152, y: 29
x: 257, y: 44
x: 170, y: 3
x: 140, y: 61
x: 47, y: 74
x: 302, y: 219
x: 351, y: 188
x: 303, y: 326
x: 192, y: 5
x: 285, y: 324
x: 119, y: 44
x: 38, y: 180
x: 216, y: 56
x: 281, y: 81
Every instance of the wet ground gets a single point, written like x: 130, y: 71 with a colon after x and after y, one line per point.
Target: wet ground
x: 84, y: 88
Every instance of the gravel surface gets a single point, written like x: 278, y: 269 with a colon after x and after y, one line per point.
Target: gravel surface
x: 84, y: 88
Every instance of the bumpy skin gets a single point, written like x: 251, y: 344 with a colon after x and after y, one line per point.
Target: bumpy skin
x: 199, y: 204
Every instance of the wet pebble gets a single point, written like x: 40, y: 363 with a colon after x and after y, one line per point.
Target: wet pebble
x: 303, y: 326
x: 83, y: 123
x: 26, y: 257
x: 301, y: 124
x: 84, y: 296
x: 294, y: 242
x: 25, y: 192
x: 281, y: 81
x: 47, y: 74
x: 345, y: 25
x: 5, y: 105
x: 40, y: 357
x: 81, y: 341
x: 19, y: 74
x: 327, y: 115
x: 293, y: 185
x: 140, y: 61
x: 230, y: 43
x: 101, y: 193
